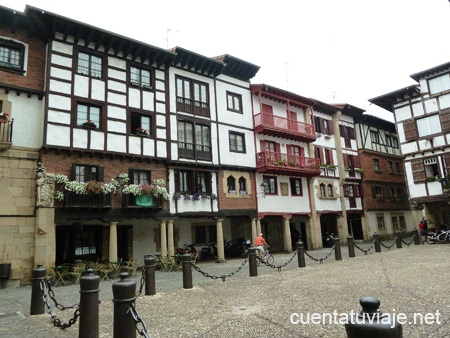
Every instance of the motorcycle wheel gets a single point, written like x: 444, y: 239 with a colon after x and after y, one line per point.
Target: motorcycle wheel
x: 431, y: 240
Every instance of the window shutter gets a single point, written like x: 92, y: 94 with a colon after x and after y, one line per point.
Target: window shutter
x: 277, y: 148
x: 331, y: 127
x: 73, y: 171
x: 289, y: 149
x: 350, y: 133
x: 302, y: 152
x: 346, y: 187
x: 445, y: 119
x: 343, y: 131
x: 330, y: 156
x: 447, y: 163
x: 262, y: 143
x: 318, y: 124
x: 131, y: 176
x: 355, y: 190
x: 410, y: 129
x: 345, y: 159
x: 101, y: 174
x: 418, y: 170
x: 356, y: 162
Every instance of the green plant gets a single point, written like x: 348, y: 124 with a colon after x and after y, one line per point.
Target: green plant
x: 90, y: 124
x: 141, y: 131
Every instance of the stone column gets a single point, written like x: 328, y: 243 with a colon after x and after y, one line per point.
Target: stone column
x: 163, y: 239
x: 220, y: 248
x: 287, y: 233
x: 254, y: 230
x: 258, y: 226
x: 113, y: 242
x: 170, y: 241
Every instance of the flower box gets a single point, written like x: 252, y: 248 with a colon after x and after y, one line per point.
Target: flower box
x: 144, y: 200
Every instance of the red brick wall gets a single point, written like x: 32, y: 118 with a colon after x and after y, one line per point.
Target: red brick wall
x: 246, y: 202
x: 35, y: 75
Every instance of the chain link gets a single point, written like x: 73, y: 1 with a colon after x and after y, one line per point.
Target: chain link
x: 365, y: 250
x: 142, y: 282
x: 51, y: 294
x: 54, y: 318
x: 389, y: 246
x: 141, y: 328
x: 320, y: 259
x: 222, y: 276
x: 279, y: 267
x: 408, y: 244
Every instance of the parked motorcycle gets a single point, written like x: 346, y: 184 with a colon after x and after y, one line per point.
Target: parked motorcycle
x: 328, y: 240
x: 189, y: 249
x: 433, y: 237
x: 209, y: 251
x: 237, y: 249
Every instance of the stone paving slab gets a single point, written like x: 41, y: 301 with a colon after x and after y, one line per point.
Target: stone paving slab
x: 409, y: 280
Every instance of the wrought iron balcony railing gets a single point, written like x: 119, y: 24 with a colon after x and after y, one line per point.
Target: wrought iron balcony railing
x: 74, y: 200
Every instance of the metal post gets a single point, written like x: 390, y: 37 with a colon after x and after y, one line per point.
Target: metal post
x: 252, y: 262
x: 398, y: 239
x: 187, y: 271
x: 150, y: 266
x: 337, y: 249
x: 37, y: 301
x: 377, y: 242
x: 89, y: 305
x: 124, y: 294
x: 301, y: 254
x: 351, y: 246
x: 417, y: 240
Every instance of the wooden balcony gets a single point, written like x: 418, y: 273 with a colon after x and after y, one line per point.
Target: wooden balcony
x: 6, y: 129
x: 284, y: 164
x: 73, y: 200
x: 278, y: 126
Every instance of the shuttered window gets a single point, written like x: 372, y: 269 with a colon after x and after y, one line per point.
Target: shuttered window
x: 445, y: 119
x: 410, y: 129
x: 418, y: 170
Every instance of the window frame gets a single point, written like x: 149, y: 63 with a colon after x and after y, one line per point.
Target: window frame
x: 13, y: 46
x: 272, y: 185
x: 90, y: 69
x: 428, y: 124
x: 137, y: 176
x: 231, y: 185
x: 235, y: 98
x: 150, y: 129
x: 234, y: 143
x: 140, y: 84
x: 296, y: 190
x: 187, y: 100
x: 89, y: 106
x: 89, y: 173
x: 376, y: 164
x: 197, y: 151
x: 187, y: 181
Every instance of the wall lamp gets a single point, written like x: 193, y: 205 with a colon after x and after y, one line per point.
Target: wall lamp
x: 264, y: 190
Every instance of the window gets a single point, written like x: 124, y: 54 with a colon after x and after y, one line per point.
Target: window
x: 205, y: 234
x: 330, y: 190
x: 374, y: 136
x: 192, y: 97
x: 141, y: 124
x: 431, y: 168
x: 84, y: 173
x: 322, y: 190
x: 231, y: 184
x: 234, y: 102
x: 394, y: 222
x: 429, y: 125
x: 326, y: 128
x: 242, y: 185
x: 439, y: 84
x: 380, y: 222
x: 194, y: 145
x: 395, y: 142
x: 191, y: 181
x: 399, y: 192
x: 88, y: 113
x: 402, y: 222
x: 271, y: 185
x: 296, y: 186
x: 89, y: 65
x: 86, y: 241
x: 139, y: 176
x: 376, y: 164
x: 391, y: 192
x: 389, y: 166
x: 397, y: 168
x: 237, y: 142
x: 12, y: 55
x: 377, y: 192
x: 140, y: 78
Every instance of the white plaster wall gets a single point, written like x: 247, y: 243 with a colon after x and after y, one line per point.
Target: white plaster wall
x: 116, y: 143
x: 160, y: 120
x: 423, y: 85
x: 117, y: 113
x: 434, y: 188
x: 431, y: 105
x: 160, y: 107
x: 148, y: 101
x: 143, y: 238
x: 134, y: 98
x: 234, y: 158
x: 415, y: 190
x: 62, y: 87
x: 118, y: 86
x: 28, y: 120
x: 408, y: 148
x: 116, y: 126
x: 61, y: 73
x: 81, y: 86
x: 149, y: 148
x: 62, y: 60
x: 97, y: 140
x: 58, y: 117
x: 116, y: 74
x: 59, y: 102
x: 61, y: 48
x: 160, y: 133
x: 387, y: 214
x: 402, y: 113
x: 80, y: 137
x: 417, y: 109
x: 116, y: 63
x: 58, y: 135
x: 134, y: 145
x: 98, y: 90
x: 116, y: 98
x: 444, y: 101
x: 439, y: 141
x: 401, y: 133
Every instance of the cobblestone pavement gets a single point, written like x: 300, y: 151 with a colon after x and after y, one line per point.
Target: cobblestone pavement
x: 412, y: 281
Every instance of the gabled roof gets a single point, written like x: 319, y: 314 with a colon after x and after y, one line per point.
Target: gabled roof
x: 387, y: 101
x: 237, y: 68
x: 349, y: 110
x: 431, y: 71
x: 197, y: 63
x: 375, y: 121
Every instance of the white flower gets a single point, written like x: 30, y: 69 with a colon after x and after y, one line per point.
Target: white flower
x: 60, y: 178
x: 76, y: 187
x: 131, y: 189
x: 59, y: 196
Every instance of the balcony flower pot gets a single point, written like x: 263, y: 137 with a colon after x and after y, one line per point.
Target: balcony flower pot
x: 144, y: 200
x: 3, y: 117
x: 89, y: 125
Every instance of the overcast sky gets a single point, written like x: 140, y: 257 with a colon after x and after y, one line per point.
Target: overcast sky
x: 336, y: 51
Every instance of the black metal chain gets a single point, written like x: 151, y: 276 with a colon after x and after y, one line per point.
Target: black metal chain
x: 279, y: 267
x: 320, y: 259
x: 138, y: 322
x: 365, y: 250
x: 144, y: 270
x: 52, y: 296
x: 54, y: 318
x: 412, y: 240
x: 222, y: 276
x: 389, y: 246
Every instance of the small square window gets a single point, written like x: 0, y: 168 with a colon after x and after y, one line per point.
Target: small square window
x: 140, y: 78
x: 234, y: 102
x: 89, y: 65
x: 141, y: 124
x: 237, y: 142
x: 296, y: 186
